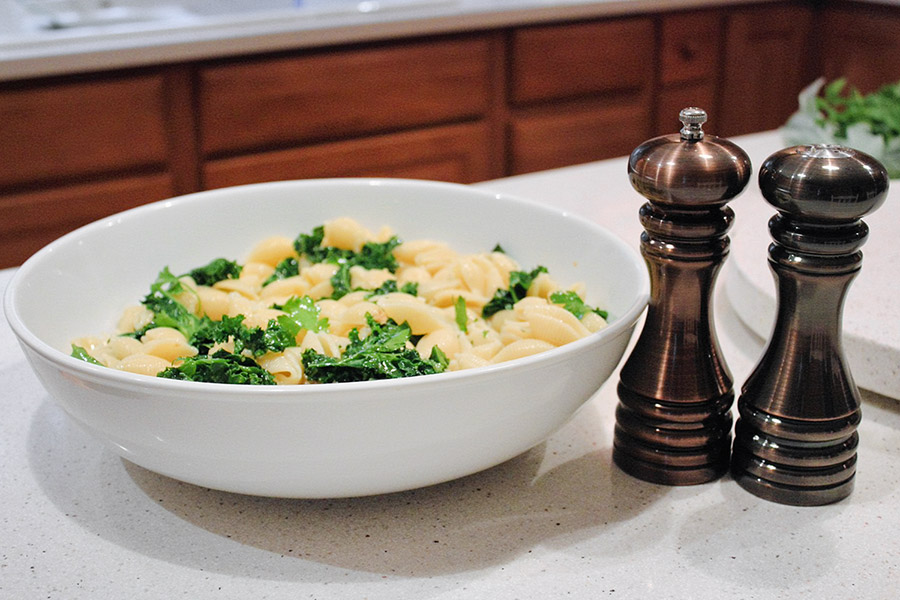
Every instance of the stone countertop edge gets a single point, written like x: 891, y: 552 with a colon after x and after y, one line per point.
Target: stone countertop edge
x: 67, y: 52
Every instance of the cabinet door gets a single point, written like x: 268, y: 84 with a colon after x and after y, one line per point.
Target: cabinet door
x: 690, y: 56
x: 61, y: 131
x: 555, y: 62
x: 862, y: 43
x: 768, y: 60
x: 579, y: 92
x: 457, y: 153
x: 576, y: 135
x: 278, y: 102
x: 30, y: 220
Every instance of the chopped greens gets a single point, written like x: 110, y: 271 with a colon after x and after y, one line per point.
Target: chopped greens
x: 81, y: 354
x: 217, y: 270
x: 390, y: 286
x: 519, y: 282
x: 289, y: 267
x: 462, y: 319
x: 383, y: 354
x: 221, y: 367
x: 573, y: 303
x: 835, y: 113
x: 372, y: 255
x: 167, y: 310
x: 844, y: 107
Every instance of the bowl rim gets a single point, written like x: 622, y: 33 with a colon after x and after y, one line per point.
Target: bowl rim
x: 224, y: 392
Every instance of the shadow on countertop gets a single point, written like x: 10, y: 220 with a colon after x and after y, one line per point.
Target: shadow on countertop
x: 476, y: 522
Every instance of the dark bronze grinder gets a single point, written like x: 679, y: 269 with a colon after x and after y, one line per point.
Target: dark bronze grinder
x: 796, y: 439
x: 673, y: 420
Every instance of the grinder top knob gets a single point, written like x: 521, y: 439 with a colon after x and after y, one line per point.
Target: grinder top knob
x: 689, y: 169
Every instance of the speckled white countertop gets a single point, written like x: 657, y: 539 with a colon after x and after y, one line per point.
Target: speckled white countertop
x: 54, y: 52
x: 560, y: 521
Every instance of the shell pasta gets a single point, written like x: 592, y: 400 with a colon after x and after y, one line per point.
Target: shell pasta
x: 309, y: 310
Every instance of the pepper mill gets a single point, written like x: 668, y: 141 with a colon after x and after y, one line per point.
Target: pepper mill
x: 795, y: 439
x: 673, y: 420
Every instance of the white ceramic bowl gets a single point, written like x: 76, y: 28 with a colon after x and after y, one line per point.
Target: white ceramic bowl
x: 334, y: 440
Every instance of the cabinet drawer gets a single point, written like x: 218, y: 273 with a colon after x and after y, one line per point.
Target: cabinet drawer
x: 56, y: 131
x: 455, y: 153
x: 576, y: 136
x: 582, y: 59
x: 29, y: 221
x: 342, y: 93
x: 690, y: 46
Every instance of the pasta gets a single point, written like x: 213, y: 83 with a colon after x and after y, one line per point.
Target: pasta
x: 441, y: 295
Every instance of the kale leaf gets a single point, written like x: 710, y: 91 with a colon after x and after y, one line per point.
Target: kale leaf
x: 81, y: 354
x: 573, y: 303
x: 289, y: 267
x: 459, y: 309
x: 221, y: 367
x: 216, y: 270
x: 382, y: 354
x: 372, y: 255
x: 167, y: 310
x: 519, y: 282
x: 390, y: 286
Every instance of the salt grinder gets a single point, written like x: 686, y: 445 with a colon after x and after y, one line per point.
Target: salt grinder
x: 673, y: 420
x: 796, y: 439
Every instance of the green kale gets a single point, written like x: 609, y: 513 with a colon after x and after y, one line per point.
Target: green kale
x: 221, y: 367
x: 311, y: 246
x: 340, y: 281
x: 382, y: 354
x: 372, y: 255
x: 217, y: 270
x: 519, y: 282
x: 462, y: 318
x: 304, y: 313
x: 573, y: 303
x: 390, y: 286
x: 289, y: 267
x: 167, y: 310
x: 81, y: 354
x: 280, y: 332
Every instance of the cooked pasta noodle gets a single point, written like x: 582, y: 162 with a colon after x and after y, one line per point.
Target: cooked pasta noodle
x: 440, y: 293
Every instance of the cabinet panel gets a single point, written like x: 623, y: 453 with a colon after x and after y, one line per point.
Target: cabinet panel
x: 862, y: 43
x: 671, y: 100
x: 457, y: 153
x: 572, y: 136
x: 690, y: 46
x: 582, y: 59
x: 768, y: 60
x: 60, y: 130
x: 267, y: 103
x: 28, y: 221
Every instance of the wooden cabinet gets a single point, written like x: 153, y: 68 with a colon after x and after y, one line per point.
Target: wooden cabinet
x: 690, y: 59
x: 579, y: 92
x: 76, y: 149
x: 456, y: 152
x: 769, y: 58
x: 462, y: 108
x: 341, y: 94
x: 862, y: 43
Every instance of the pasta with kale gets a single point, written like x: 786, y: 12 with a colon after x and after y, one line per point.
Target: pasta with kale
x: 343, y: 303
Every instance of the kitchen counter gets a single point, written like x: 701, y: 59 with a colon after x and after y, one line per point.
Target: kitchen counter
x: 203, y: 34
x: 560, y: 521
